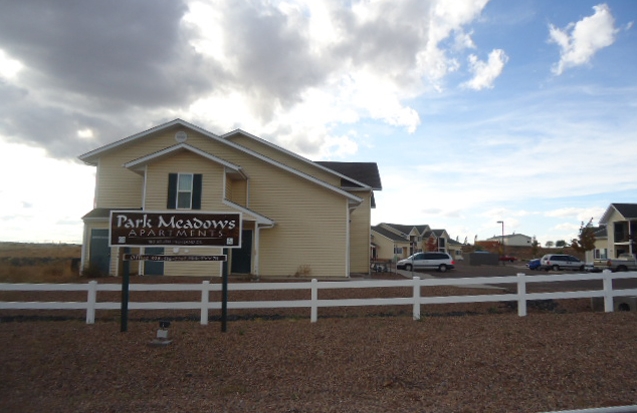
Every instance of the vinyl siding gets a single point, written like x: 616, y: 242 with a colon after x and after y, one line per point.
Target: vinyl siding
x: 610, y: 231
x: 310, y: 231
x: 185, y: 162
x: 360, y: 235
x: 384, y: 247
x: 286, y: 159
x: 116, y: 186
x: 236, y: 191
x: 310, y: 235
x: 309, y: 240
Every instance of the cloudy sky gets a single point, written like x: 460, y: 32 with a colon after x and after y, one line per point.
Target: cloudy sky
x: 476, y: 111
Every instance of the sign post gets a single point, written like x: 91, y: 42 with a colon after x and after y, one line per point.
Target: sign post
x: 185, y: 229
x: 125, y: 293
x: 224, y: 295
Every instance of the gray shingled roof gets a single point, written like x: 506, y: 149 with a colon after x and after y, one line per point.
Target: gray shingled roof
x: 365, y: 172
x: 387, y: 233
x: 628, y: 211
x: 406, y: 229
x: 600, y: 232
x: 105, y: 212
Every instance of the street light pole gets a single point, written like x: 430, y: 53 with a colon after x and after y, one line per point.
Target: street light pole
x: 503, y: 251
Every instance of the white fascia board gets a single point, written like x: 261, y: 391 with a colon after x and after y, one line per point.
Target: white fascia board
x: 382, y: 235
x: 259, y: 219
x: 609, y: 212
x: 145, y: 160
x: 225, y: 136
x: 89, y: 157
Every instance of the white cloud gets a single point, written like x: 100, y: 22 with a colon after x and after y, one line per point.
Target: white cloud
x: 9, y: 67
x: 485, y: 73
x: 580, y: 214
x: 586, y: 38
x: 325, y: 64
x: 43, y: 203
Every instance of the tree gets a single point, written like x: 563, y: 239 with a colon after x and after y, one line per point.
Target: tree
x: 549, y: 244
x: 432, y: 243
x: 535, y: 247
x: 586, y: 240
x: 560, y: 244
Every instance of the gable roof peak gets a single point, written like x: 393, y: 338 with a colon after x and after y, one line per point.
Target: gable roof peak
x: 626, y: 210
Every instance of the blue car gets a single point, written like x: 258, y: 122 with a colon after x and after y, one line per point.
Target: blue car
x: 534, y: 264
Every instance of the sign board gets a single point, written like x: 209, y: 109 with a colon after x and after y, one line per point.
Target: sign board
x: 149, y: 257
x: 175, y: 228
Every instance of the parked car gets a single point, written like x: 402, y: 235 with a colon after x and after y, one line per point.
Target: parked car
x: 534, y: 264
x: 558, y: 262
x: 507, y: 258
x: 625, y: 262
x: 440, y: 261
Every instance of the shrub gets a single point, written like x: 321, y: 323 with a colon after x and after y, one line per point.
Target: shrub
x: 303, y: 271
x: 93, y: 271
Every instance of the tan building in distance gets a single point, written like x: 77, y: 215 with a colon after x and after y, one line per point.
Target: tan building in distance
x: 299, y: 217
x: 620, y: 235
x: 398, y: 241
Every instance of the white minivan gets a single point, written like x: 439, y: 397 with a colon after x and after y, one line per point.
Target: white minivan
x: 440, y: 261
x: 558, y: 262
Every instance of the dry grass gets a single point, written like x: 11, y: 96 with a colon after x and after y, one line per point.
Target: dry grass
x: 41, y: 263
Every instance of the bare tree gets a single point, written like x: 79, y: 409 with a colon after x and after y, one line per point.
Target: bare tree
x: 535, y: 246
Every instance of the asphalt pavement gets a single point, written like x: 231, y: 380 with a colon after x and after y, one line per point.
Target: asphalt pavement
x: 463, y: 270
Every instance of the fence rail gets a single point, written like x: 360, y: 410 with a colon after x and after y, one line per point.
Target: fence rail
x: 91, y: 305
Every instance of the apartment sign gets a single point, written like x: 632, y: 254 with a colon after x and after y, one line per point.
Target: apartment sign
x: 182, y: 229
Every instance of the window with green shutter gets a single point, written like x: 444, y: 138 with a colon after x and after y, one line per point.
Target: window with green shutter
x: 184, y: 191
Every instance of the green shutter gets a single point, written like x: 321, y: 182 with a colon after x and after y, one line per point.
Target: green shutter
x: 172, y: 191
x: 196, y: 191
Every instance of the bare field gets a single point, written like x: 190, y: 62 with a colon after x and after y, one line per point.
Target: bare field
x: 32, y: 262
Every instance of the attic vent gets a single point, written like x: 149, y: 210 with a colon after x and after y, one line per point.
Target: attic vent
x: 181, y: 136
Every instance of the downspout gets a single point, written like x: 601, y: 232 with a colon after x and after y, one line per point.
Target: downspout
x: 85, y: 240
x: 348, y: 239
x: 257, y: 243
x: 347, y: 243
x: 630, y: 238
x: 140, y: 263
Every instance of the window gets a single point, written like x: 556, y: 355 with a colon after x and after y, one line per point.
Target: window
x: 603, y: 254
x: 184, y: 191
x: 621, y: 231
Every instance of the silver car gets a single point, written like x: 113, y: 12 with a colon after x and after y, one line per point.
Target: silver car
x: 558, y: 262
x: 440, y: 261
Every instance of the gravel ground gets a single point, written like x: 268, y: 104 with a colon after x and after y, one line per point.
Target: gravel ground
x: 458, y: 358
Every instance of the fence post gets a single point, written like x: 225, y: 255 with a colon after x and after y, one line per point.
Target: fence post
x: 608, y: 291
x: 521, y: 294
x: 314, y: 298
x: 205, y: 298
x: 91, y: 301
x: 416, y: 298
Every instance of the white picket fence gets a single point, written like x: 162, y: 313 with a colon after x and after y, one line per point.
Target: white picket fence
x: 415, y: 300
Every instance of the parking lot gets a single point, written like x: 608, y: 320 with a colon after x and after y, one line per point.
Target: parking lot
x: 463, y: 270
